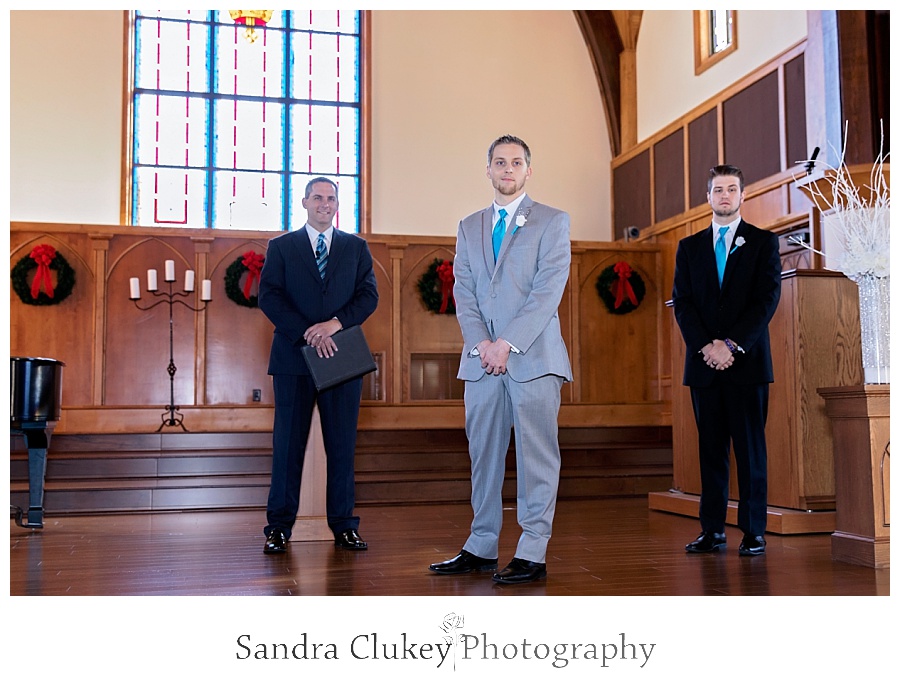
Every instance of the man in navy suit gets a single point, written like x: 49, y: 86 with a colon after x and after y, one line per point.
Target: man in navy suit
x: 314, y: 282
x: 727, y: 287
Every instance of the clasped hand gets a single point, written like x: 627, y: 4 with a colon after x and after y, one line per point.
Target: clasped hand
x: 319, y: 336
x: 717, y: 355
x: 494, y: 356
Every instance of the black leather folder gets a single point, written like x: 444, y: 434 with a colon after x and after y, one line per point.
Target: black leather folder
x: 352, y: 359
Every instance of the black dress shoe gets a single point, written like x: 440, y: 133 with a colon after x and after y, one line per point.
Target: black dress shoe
x: 752, y: 545
x: 519, y: 570
x: 464, y: 562
x: 707, y: 542
x: 276, y: 542
x: 349, y: 539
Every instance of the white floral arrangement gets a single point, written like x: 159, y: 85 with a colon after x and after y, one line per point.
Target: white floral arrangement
x: 862, y: 217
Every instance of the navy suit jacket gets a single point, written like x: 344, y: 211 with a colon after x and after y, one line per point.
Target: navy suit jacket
x: 294, y: 297
x: 740, y: 310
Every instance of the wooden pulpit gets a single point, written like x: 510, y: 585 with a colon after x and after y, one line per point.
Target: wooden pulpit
x: 815, y: 343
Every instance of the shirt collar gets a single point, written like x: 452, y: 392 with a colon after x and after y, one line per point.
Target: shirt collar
x: 510, y: 208
x: 313, y: 235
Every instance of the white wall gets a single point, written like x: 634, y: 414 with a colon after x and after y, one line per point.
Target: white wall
x: 666, y: 85
x: 65, y: 94
x: 435, y: 75
x: 446, y: 84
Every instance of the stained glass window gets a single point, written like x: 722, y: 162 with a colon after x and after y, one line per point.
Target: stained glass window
x: 227, y: 132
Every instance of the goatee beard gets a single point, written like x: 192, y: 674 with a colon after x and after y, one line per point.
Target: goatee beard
x: 508, y: 188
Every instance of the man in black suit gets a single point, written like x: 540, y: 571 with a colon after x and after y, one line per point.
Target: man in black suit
x: 727, y: 286
x: 314, y: 282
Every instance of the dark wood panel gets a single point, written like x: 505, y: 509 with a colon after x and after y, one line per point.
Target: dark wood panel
x: 631, y: 190
x: 795, y: 111
x: 668, y: 176
x: 752, y: 130
x: 703, y: 155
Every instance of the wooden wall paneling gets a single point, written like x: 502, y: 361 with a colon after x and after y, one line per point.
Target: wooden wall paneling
x: 856, y: 38
x: 100, y: 246
x: 751, y: 129
x: 762, y: 208
x: 795, y: 112
x: 631, y: 191
x: 234, y: 353
x: 137, y: 346
x: 703, y: 154
x: 221, y: 354
x: 63, y: 331
x: 668, y: 176
x: 423, y: 331
x: 380, y: 327
x: 202, y: 246
x: 626, y: 343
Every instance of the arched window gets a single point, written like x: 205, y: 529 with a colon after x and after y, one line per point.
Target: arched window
x: 227, y: 131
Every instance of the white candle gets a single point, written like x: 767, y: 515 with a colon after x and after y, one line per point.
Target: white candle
x: 170, y: 270
x: 151, y: 280
x: 135, y: 288
x: 189, y: 280
x: 206, y: 291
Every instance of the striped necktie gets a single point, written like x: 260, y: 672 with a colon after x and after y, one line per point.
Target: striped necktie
x: 720, y: 253
x: 499, y: 232
x: 321, y: 256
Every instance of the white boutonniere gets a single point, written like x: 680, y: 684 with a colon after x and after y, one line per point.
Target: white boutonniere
x: 738, y: 242
x: 520, y: 220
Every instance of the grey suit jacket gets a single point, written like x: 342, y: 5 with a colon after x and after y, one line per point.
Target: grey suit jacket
x: 516, y: 298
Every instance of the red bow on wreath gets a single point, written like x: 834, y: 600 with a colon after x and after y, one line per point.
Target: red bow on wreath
x: 43, y: 255
x: 253, y: 262
x: 445, y: 274
x: 622, y: 287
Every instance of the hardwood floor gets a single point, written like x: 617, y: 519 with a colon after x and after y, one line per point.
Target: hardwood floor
x: 600, y: 547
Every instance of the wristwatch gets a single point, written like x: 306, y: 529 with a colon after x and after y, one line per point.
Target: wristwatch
x: 733, y: 347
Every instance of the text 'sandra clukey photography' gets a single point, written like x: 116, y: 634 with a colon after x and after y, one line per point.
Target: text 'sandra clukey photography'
x: 454, y: 649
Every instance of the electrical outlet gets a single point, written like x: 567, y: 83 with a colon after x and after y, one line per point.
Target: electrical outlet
x: 257, y: 395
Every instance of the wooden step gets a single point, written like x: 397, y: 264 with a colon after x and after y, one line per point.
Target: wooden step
x: 168, y: 472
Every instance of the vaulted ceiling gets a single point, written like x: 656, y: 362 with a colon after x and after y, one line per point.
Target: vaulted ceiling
x: 611, y: 39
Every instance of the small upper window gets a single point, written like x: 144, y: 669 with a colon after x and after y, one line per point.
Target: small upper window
x: 715, y: 36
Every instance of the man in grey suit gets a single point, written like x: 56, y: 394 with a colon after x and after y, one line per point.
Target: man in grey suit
x: 511, y: 267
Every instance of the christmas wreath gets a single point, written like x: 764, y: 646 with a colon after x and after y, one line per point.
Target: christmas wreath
x: 43, y: 259
x: 621, y: 288
x: 250, y: 263
x: 436, y: 287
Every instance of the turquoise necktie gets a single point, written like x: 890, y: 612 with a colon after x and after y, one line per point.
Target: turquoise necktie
x: 721, y: 257
x: 499, y: 232
x: 321, y: 256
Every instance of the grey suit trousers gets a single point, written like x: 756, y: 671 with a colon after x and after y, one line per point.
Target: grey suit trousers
x: 494, y: 405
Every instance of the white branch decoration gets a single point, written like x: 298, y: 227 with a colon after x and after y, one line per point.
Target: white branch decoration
x: 863, y: 223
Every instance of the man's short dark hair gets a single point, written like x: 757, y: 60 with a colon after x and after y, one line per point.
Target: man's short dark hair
x: 319, y: 180
x: 724, y: 171
x: 510, y: 139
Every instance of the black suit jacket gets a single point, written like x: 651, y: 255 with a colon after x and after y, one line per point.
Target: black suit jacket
x: 740, y: 310
x: 294, y: 297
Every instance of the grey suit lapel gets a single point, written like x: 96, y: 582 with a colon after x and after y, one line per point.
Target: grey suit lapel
x: 487, y: 245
